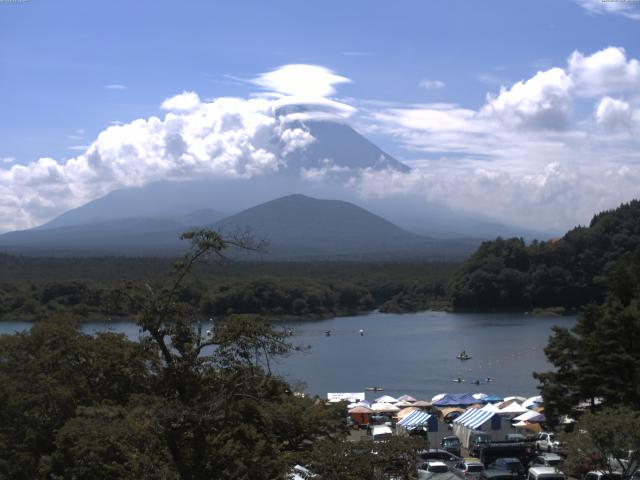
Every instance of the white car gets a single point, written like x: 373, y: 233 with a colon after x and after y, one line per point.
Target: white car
x: 546, y: 442
x: 299, y: 472
x: 600, y: 475
x: 545, y: 473
x: 546, y: 460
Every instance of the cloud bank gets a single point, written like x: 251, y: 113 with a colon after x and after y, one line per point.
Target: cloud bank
x: 547, y: 151
x: 529, y: 155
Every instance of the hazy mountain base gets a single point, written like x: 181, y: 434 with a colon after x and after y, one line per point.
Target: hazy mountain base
x: 296, y: 228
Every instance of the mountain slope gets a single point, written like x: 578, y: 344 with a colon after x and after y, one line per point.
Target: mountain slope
x: 297, y: 228
x: 336, y: 145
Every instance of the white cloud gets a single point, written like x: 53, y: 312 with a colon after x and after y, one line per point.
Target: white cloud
x: 431, y: 84
x: 553, y: 196
x: 614, y: 115
x: 525, y: 156
x: 77, y: 135
x: 604, y: 72
x: 115, y: 86
x: 629, y: 9
x: 228, y: 137
x: 7, y: 160
x: 327, y: 171
x: 492, y: 79
x: 184, y: 102
x: 300, y: 80
x: 544, y: 101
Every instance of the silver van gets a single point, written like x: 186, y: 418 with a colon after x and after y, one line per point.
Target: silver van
x: 545, y: 473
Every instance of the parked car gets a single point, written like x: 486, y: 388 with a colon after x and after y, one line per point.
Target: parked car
x: 468, y: 468
x: 437, y: 454
x: 601, y: 475
x: 546, y: 442
x: 509, y: 464
x: 434, y: 466
x: 381, y: 433
x: 451, y: 444
x: 546, y: 460
x: 478, y: 440
x: 545, y: 473
x: 492, y: 474
x: 298, y: 472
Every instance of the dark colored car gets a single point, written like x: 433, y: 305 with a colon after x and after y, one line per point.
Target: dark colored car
x: 437, y: 454
x: 546, y: 460
x: 451, y: 444
x: 492, y: 474
x: 511, y: 465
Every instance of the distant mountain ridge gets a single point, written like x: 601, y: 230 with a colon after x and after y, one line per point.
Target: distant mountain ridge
x: 297, y: 227
x: 337, y: 149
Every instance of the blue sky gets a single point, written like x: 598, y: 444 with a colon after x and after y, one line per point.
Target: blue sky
x: 70, y: 69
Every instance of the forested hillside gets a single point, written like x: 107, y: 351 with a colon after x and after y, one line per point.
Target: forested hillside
x: 569, y: 272
x: 33, y: 288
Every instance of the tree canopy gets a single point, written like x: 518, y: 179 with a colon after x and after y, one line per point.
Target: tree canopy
x: 569, y: 272
x: 182, y: 403
x: 597, y: 362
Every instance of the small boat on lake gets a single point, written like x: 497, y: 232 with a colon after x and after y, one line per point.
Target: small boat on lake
x: 463, y: 355
x: 374, y: 389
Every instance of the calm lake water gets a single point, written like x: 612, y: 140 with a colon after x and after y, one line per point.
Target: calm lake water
x: 408, y: 353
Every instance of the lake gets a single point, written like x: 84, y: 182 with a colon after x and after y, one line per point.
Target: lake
x: 407, y: 353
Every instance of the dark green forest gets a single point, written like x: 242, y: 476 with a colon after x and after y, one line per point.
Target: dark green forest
x: 32, y: 288
x: 569, y: 272
x: 178, y: 404
x: 505, y: 274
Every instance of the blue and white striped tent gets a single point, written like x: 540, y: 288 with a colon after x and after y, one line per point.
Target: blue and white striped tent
x: 474, y: 417
x: 415, y: 419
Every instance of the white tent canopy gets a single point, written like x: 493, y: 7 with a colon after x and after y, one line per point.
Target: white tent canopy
x: 491, y: 407
x: 386, y: 399
x: 532, y: 402
x: 407, y: 398
x: 516, y: 398
x: 383, y: 407
x: 513, y: 407
x: 526, y: 416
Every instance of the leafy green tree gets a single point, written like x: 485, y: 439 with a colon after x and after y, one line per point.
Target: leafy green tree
x: 219, y: 397
x: 609, y: 438
x: 47, y: 374
x: 341, y: 459
x: 597, y: 362
x: 108, y: 441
